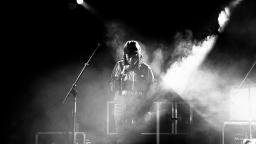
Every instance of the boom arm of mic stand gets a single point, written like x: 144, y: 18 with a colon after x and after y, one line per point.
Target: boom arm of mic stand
x: 247, y: 75
x: 72, y: 90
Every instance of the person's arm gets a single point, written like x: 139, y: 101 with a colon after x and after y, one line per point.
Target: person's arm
x: 151, y: 78
x: 115, y: 78
x: 150, y: 83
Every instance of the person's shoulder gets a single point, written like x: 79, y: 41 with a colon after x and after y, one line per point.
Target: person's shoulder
x: 144, y: 65
x: 120, y: 62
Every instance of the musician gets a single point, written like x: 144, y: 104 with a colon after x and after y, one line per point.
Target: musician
x: 131, y: 79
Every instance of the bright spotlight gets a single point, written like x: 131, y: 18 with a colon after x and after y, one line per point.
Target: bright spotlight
x: 223, y: 18
x: 80, y: 1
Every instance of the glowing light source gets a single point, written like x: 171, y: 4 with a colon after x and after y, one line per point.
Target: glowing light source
x: 79, y: 1
x: 223, y: 18
x: 242, y: 104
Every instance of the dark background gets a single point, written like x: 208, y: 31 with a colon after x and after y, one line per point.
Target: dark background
x: 42, y: 36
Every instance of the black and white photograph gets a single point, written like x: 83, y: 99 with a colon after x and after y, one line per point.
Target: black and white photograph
x: 129, y: 72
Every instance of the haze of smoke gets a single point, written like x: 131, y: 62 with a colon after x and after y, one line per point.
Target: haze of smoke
x: 178, y: 73
x: 208, y: 94
x: 51, y: 114
x: 186, y: 58
x: 94, y: 105
x: 203, y: 88
x: 117, y: 37
x: 157, y: 61
x: 209, y: 90
x: 206, y: 88
x: 184, y: 75
x: 199, y: 87
x: 92, y: 95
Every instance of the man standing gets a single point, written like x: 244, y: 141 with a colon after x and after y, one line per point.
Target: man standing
x: 131, y: 79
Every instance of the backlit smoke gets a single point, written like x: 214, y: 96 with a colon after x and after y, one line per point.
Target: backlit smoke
x: 177, y: 76
x: 184, y: 58
x: 157, y: 62
x: 205, y: 88
x: 201, y: 86
x: 117, y: 37
x: 53, y: 115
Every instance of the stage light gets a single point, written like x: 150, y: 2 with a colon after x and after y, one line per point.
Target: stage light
x: 242, y: 104
x: 223, y: 18
x: 80, y: 2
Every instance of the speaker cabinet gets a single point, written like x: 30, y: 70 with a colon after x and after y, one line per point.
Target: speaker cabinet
x: 171, y: 118
x: 59, y: 138
x: 236, y: 132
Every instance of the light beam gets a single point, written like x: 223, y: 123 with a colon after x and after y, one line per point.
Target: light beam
x: 177, y: 76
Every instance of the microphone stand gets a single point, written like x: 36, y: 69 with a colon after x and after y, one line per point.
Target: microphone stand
x: 73, y: 91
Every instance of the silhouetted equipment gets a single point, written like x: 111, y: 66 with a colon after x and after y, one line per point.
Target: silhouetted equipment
x: 110, y: 118
x: 172, y: 118
x: 235, y: 132
x: 168, y: 118
x: 59, y: 138
x: 249, y: 141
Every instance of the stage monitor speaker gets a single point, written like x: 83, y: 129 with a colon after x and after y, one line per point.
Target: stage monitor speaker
x: 59, y: 138
x: 235, y: 132
x: 171, y: 118
x: 249, y: 141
